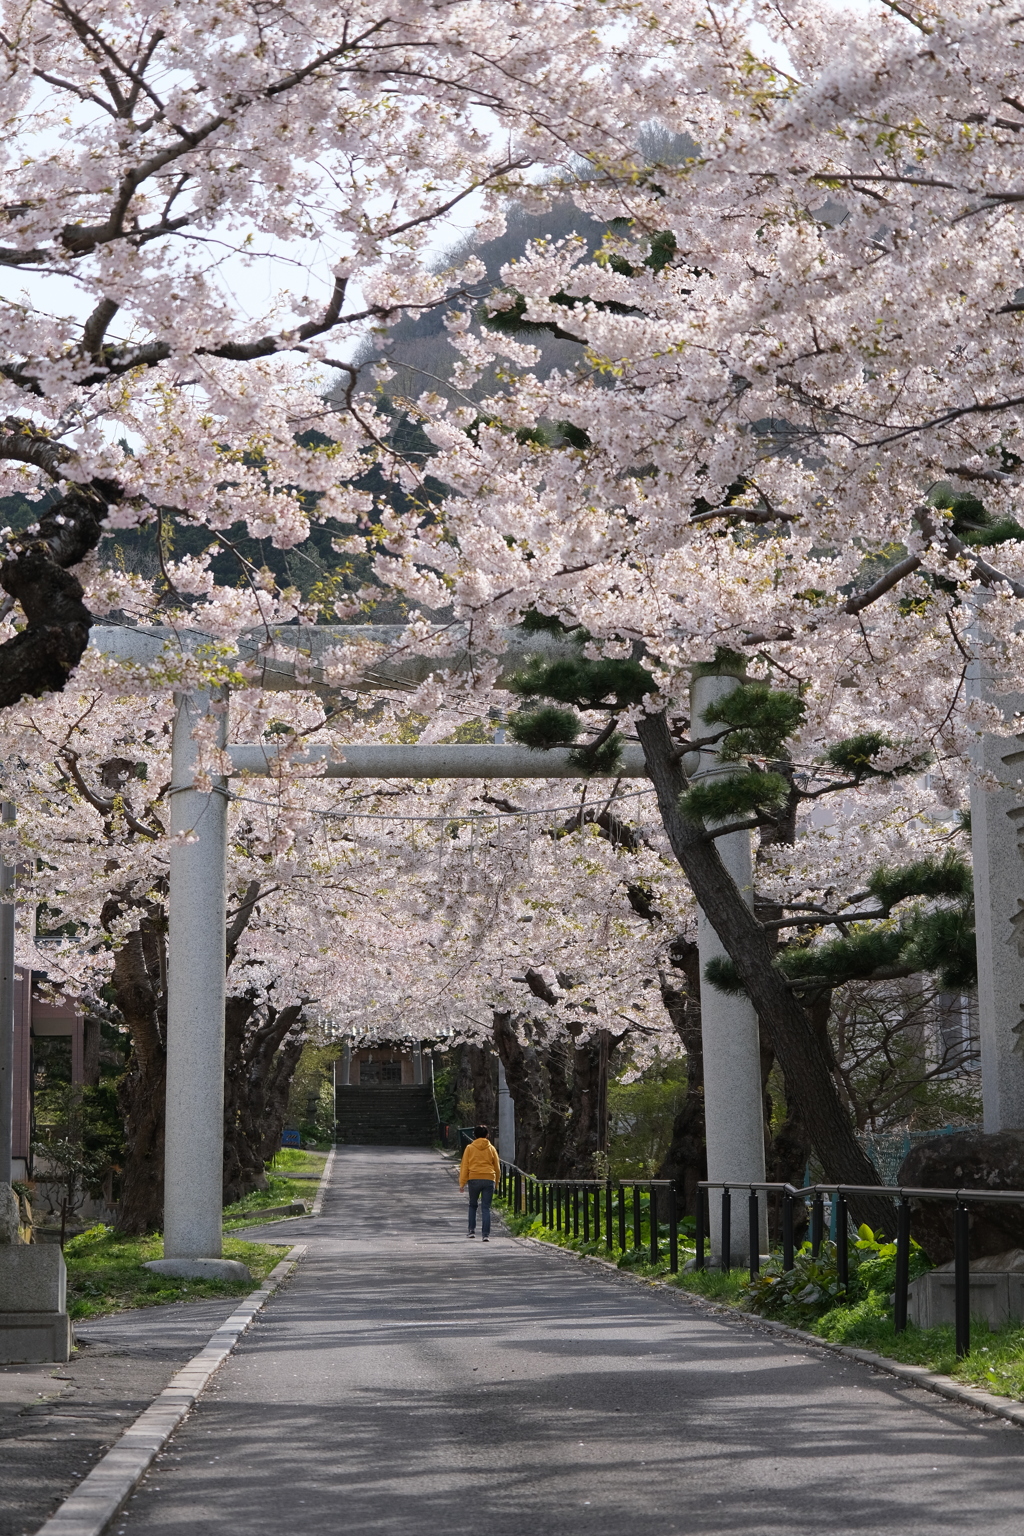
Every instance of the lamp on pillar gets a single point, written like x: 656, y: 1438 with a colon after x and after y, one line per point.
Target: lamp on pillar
x: 733, y: 1103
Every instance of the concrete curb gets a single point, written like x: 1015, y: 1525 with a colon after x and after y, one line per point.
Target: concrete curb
x: 325, y: 1179
x: 102, y: 1493
x: 914, y: 1375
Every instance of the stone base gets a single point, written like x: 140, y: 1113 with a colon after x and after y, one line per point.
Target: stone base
x: 30, y: 1338
x: 997, y: 1293
x: 201, y: 1269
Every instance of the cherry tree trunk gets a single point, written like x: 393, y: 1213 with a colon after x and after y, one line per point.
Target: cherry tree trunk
x: 483, y: 1079
x: 686, y: 1161
x: 140, y: 998
x: 271, y: 1053
x: 524, y: 1073
x: 588, y: 1116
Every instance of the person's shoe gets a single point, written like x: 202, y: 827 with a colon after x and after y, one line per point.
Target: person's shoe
x: 486, y: 1239
x: 471, y: 1234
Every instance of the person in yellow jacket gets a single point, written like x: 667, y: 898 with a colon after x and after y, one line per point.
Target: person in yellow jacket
x: 480, y: 1172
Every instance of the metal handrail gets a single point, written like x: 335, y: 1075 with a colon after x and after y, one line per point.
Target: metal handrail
x: 814, y: 1194
x: 558, y: 1205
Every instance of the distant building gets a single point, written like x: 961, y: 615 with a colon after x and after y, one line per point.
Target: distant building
x: 35, y: 1026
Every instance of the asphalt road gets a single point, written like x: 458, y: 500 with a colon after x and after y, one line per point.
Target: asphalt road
x: 56, y: 1421
x: 408, y: 1382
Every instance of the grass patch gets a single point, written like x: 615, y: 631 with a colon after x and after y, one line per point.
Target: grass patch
x: 291, y: 1159
x: 106, y: 1274
x: 281, y: 1191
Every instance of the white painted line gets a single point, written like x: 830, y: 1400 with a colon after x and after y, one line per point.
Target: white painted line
x: 325, y: 1179
x: 99, y: 1496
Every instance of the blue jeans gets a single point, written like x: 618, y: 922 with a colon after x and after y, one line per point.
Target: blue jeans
x: 482, y: 1190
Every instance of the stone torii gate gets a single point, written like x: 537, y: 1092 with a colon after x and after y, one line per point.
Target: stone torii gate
x: 197, y: 911
x: 197, y: 914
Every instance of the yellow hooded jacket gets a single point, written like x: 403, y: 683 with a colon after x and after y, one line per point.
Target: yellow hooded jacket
x: 479, y: 1161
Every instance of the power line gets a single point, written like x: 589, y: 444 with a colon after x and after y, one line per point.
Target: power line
x: 475, y: 817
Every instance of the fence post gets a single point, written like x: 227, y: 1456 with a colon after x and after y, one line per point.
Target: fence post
x: 787, y: 1231
x: 726, y: 1228
x: 673, y: 1231
x: 517, y: 1192
x: 700, y: 1232
x: 622, y: 1218
x: 575, y: 1210
x: 652, y: 1212
x: 902, y: 1265
x: 586, y: 1214
x: 842, y: 1241
x: 609, y: 1237
x: 817, y: 1222
x: 962, y: 1276
x: 754, y: 1230
x: 638, y: 1238
x: 597, y: 1214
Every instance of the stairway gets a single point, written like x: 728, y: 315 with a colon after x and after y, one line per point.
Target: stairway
x: 386, y: 1116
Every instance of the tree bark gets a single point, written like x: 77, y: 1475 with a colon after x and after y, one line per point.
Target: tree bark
x: 588, y: 1107
x: 525, y: 1078
x: 269, y: 1056
x: 139, y: 995
x: 483, y: 1077
x: 240, y: 1178
x: 686, y: 1161
x: 804, y: 1063
x: 37, y: 572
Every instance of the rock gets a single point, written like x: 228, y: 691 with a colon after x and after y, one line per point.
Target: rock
x: 967, y: 1160
x: 201, y: 1269
x: 10, y: 1216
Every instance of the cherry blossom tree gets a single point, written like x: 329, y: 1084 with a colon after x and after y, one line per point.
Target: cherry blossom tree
x: 793, y: 431
x: 204, y: 212
x: 391, y: 911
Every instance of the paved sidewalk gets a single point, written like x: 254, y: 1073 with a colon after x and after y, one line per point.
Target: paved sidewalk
x: 57, y: 1420
x: 411, y: 1383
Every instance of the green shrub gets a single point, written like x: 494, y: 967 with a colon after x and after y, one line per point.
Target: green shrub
x: 812, y: 1288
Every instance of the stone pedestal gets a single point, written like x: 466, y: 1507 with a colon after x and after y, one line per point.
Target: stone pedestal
x: 34, y: 1323
x: 203, y: 1269
x: 997, y: 1293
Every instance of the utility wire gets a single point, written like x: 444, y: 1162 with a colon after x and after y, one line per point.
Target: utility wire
x: 475, y: 816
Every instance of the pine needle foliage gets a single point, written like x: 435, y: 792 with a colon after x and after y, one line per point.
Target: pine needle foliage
x: 855, y: 754
x: 744, y: 794
x: 604, y: 759
x: 574, y: 680
x: 585, y: 684
x: 972, y: 521
x: 939, y: 941
x: 948, y: 876
x: 762, y: 718
x: 545, y: 727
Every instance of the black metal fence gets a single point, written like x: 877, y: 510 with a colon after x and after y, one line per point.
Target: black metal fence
x: 600, y: 1210
x: 787, y: 1199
